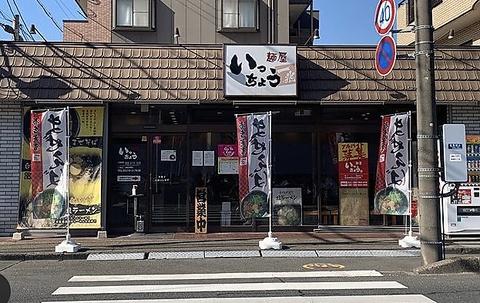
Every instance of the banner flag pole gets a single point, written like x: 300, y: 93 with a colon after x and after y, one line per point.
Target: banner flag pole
x: 270, y: 242
x: 68, y: 245
x: 409, y: 240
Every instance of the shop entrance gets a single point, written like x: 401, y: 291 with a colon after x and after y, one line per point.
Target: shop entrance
x: 168, y: 183
x: 156, y: 165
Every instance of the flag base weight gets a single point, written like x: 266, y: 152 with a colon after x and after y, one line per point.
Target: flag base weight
x: 270, y: 243
x: 409, y: 241
x: 68, y: 245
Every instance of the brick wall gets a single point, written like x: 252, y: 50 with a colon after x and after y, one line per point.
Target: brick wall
x: 468, y: 115
x: 97, y: 27
x: 10, y: 146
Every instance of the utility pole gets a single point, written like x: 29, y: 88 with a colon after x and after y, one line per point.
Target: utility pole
x: 16, y: 28
x: 428, y: 184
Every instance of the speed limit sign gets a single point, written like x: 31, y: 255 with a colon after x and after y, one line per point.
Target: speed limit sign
x: 385, y: 16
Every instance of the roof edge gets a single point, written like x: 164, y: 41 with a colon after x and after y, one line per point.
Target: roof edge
x: 83, y: 5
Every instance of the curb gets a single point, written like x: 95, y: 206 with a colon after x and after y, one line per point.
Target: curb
x: 42, y: 256
x: 84, y: 254
x: 209, y: 254
x: 452, y: 265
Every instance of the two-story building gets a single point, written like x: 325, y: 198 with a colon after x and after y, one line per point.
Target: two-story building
x: 150, y: 107
x: 455, y: 22
x: 195, y: 22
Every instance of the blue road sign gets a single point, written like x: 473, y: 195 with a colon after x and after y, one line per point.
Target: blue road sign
x: 385, y: 55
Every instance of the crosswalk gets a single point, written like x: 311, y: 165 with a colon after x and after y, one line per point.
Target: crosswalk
x: 237, y: 287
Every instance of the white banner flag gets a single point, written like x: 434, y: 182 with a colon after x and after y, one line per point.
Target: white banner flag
x: 253, y: 135
x: 54, y: 137
x: 258, y: 152
x: 48, y: 169
x: 397, y: 157
x: 393, y: 176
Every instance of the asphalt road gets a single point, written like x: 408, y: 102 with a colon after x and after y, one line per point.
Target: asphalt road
x: 36, y: 281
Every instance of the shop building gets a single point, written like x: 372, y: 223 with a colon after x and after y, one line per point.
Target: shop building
x: 139, y: 112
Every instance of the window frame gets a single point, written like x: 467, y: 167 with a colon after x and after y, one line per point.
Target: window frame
x: 151, y: 18
x: 411, y: 9
x: 221, y: 28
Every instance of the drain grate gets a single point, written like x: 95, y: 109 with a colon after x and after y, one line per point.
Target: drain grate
x: 232, y: 254
x: 368, y: 253
x: 176, y: 255
x: 289, y: 253
x: 344, y: 253
x: 396, y: 253
x: 116, y: 256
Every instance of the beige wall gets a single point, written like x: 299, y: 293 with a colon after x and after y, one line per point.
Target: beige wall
x: 402, y: 23
x: 470, y: 33
x: 195, y: 19
x: 197, y: 23
x: 442, y: 15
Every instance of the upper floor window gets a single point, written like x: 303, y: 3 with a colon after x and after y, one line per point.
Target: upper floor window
x: 411, y: 9
x: 238, y: 14
x: 134, y: 13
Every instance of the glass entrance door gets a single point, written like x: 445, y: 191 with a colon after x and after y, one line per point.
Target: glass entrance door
x: 168, y: 207
x: 127, y: 168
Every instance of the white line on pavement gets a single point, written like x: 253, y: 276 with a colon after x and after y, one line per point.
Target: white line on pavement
x: 326, y: 299
x: 184, y: 288
x: 219, y: 276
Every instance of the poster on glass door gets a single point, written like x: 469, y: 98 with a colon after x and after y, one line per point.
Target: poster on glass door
x: 353, y: 164
x: 227, y: 159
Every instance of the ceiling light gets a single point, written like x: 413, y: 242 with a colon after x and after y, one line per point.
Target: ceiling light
x: 451, y: 34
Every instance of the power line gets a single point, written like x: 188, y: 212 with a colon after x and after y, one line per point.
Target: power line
x: 5, y: 17
x: 14, y: 18
x: 10, y: 7
x: 62, y: 8
x: 61, y: 2
x: 49, y: 15
x: 38, y: 32
x: 81, y: 13
x: 23, y: 20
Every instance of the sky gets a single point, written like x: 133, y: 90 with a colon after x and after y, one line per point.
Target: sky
x: 341, y: 21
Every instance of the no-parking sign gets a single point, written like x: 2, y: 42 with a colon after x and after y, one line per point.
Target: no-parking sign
x: 385, y: 55
x: 385, y: 15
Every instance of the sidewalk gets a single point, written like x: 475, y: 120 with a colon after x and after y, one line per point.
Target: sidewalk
x: 44, y: 247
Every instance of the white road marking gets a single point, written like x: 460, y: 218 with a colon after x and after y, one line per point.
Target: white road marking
x: 220, y: 276
x: 326, y: 299
x: 185, y: 288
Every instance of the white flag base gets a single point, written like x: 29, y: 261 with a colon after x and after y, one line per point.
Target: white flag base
x: 270, y: 243
x: 409, y: 241
x: 68, y: 245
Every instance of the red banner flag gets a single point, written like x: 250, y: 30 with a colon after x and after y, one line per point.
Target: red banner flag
x: 242, y: 143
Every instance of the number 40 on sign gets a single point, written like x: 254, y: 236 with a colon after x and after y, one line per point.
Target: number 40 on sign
x: 385, y: 14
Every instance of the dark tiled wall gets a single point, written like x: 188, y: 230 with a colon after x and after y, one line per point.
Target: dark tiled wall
x: 468, y: 115
x: 10, y: 147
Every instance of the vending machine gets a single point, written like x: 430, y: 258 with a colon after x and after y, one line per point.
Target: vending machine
x: 462, y: 209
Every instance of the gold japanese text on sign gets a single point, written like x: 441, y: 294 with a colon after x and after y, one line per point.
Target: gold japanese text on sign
x: 200, y: 210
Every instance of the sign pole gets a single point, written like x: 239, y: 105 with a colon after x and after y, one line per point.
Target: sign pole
x: 68, y: 245
x: 270, y: 242
x: 270, y: 204
x: 409, y: 240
